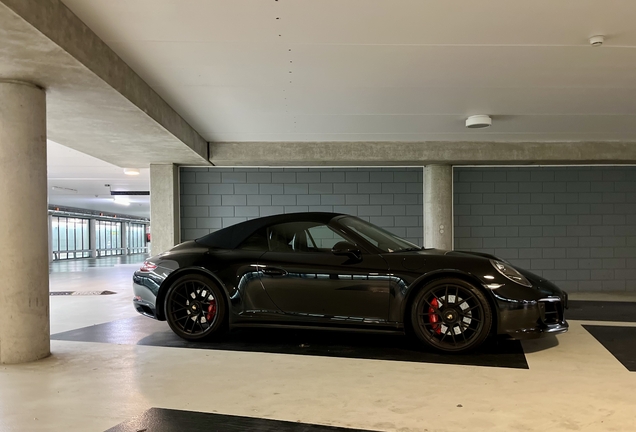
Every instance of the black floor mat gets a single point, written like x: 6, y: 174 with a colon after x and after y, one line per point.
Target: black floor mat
x: 620, y: 341
x: 168, y: 420
x: 145, y: 331
x: 601, y: 311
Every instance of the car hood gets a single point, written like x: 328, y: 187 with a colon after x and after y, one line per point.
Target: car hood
x: 453, y: 253
x: 473, y: 255
x: 546, y: 287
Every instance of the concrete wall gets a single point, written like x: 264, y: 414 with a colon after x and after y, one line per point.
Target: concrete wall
x: 574, y: 225
x: 213, y: 198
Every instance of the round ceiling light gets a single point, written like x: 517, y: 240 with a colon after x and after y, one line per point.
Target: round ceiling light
x: 122, y: 200
x: 131, y: 171
x: 478, y: 122
x: 597, y: 40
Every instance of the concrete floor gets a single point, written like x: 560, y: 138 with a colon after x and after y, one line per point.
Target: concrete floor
x: 573, y: 382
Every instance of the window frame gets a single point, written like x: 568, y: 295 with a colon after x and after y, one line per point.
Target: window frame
x: 336, y: 229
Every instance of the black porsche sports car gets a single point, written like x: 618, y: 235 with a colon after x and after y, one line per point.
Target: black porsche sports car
x: 335, y: 271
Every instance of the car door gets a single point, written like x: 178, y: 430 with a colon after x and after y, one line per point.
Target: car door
x: 303, y: 277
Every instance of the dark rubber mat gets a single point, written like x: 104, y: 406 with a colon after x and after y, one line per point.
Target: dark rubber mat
x: 601, y: 311
x: 80, y: 293
x: 620, y: 341
x: 168, y: 420
x: 145, y: 331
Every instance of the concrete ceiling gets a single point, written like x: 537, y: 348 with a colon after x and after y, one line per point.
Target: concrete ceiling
x: 95, y: 103
x: 86, y: 178
x: 380, y: 70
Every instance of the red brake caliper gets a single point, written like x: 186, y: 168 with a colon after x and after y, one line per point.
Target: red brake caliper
x: 211, y: 310
x: 433, y: 318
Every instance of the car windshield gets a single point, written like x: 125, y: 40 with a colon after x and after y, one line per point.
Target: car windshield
x: 378, y: 237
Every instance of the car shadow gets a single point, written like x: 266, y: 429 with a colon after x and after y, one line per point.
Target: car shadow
x: 390, y: 347
x: 542, y: 344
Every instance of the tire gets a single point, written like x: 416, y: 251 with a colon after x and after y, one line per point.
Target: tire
x: 451, y: 316
x: 195, y: 307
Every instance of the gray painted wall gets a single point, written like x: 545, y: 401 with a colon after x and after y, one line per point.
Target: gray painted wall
x: 574, y: 225
x: 213, y: 198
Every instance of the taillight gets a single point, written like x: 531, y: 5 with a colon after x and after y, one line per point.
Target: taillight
x: 148, y: 267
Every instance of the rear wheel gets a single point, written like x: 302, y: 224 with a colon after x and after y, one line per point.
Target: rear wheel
x: 195, y: 307
x: 451, y: 315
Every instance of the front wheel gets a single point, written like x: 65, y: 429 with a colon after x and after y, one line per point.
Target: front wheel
x: 451, y: 315
x: 195, y: 307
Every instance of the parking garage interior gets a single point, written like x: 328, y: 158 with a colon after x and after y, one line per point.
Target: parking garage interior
x: 129, y: 127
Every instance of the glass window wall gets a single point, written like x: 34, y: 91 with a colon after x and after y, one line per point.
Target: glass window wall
x: 71, y: 238
x: 136, y: 238
x: 108, y: 236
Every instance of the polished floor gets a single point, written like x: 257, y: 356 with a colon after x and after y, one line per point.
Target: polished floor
x: 112, y: 369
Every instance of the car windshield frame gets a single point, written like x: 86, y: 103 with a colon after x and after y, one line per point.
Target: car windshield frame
x: 376, y: 236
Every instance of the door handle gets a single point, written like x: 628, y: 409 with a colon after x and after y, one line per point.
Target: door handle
x: 274, y: 271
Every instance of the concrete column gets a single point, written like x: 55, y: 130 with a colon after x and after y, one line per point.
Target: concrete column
x: 438, y: 206
x: 164, y: 207
x: 24, y: 286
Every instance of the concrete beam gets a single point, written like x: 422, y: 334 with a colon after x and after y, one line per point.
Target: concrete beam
x: 96, y: 103
x: 421, y: 153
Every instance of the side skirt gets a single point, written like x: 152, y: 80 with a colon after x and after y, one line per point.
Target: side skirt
x: 397, y: 329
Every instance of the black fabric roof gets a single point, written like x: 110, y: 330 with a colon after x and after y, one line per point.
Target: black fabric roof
x: 231, y: 237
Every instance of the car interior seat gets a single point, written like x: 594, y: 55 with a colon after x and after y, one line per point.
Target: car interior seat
x: 278, y: 241
x: 299, y: 242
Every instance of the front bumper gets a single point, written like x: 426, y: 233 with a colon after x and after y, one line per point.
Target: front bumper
x: 145, y: 290
x: 534, y: 319
x: 541, y: 331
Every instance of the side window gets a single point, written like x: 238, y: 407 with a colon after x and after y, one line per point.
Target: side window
x: 256, y: 242
x: 374, y: 242
x: 302, y: 237
x: 323, y: 237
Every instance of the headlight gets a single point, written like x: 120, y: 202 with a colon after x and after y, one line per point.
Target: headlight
x: 510, y: 273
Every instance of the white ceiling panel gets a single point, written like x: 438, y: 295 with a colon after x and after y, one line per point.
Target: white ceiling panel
x: 220, y: 101
x: 219, y: 65
x: 428, y: 124
x: 463, y: 66
x: 431, y: 22
x: 329, y: 70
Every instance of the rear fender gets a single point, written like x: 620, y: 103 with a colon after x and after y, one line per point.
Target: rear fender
x: 165, y: 285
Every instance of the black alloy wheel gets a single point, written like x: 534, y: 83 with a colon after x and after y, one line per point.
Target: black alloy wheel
x: 195, y: 307
x: 451, y: 315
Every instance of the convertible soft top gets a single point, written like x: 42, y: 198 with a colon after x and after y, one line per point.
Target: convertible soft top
x: 232, y: 236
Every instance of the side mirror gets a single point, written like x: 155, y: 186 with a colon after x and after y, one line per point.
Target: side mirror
x: 346, y: 249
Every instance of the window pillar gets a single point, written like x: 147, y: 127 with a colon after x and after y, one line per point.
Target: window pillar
x: 125, y: 226
x: 50, y: 226
x: 92, y: 233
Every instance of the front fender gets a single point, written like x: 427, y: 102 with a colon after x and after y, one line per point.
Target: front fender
x: 413, y: 288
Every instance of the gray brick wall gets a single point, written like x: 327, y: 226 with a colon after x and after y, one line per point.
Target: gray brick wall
x: 213, y: 198
x: 574, y: 225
